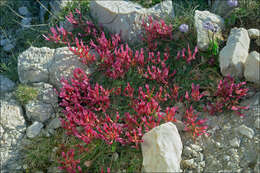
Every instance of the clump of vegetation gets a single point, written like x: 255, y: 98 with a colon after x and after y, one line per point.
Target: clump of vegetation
x: 25, y: 93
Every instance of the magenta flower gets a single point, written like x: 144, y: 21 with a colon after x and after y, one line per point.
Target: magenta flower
x: 184, y: 28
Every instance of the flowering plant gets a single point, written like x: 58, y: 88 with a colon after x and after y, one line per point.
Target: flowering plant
x: 213, y: 41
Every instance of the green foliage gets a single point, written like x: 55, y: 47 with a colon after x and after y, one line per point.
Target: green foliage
x: 247, y: 14
x: 25, y: 93
x: 40, y: 153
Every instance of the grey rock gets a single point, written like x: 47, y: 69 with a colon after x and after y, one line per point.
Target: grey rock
x: 233, y: 56
x: 38, y: 111
x: 161, y: 149
x: 189, y: 164
x: 54, y: 124
x: 24, y: 11
x: 126, y: 17
x: 235, y: 142
x: 4, y: 42
x: 257, y: 42
x: 257, y: 123
x: 252, y: 67
x: 12, y: 130
x: 8, y: 47
x: 6, y: 85
x: 34, y: 129
x: 204, y: 36
x: 63, y: 65
x: 46, y: 94
x: 254, y: 33
x: 33, y: 64
x: 244, y: 130
x: 196, y: 147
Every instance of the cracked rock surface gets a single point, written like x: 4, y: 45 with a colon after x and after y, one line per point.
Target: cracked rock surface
x: 12, y: 130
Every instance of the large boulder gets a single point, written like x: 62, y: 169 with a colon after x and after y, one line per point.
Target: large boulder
x: 63, y: 65
x: 252, y: 67
x: 12, y: 131
x: 161, y: 149
x: 204, y: 36
x: 233, y: 56
x: 125, y: 18
x: 33, y: 64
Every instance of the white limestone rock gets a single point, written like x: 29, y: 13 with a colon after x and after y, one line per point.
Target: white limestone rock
x: 252, y: 67
x: 233, y: 56
x: 12, y: 131
x: 246, y: 131
x: 126, y: 17
x: 33, y: 130
x: 33, y: 64
x: 254, y: 33
x: 204, y: 36
x: 63, y: 65
x: 161, y: 149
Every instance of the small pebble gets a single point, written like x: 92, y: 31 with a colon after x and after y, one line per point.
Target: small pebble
x: 234, y: 142
x: 246, y: 131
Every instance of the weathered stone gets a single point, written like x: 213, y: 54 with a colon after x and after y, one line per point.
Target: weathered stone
x: 125, y: 17
x: 203, y: 35
x: 46, y: 94
x: 54, y: 124
x: 244, y: 130
x: 38, y: 111
x: 252, y: 67
x: 63, y: 65
x: 6, y: 84
x: 235, y: 142
x: 8, y: 47
x: 12, y: 130
x: 161, y: 149
x: 33, y: 64
x: 254, y: 33
x: 4, y: 42
x: 189, y: 164
x: 233, y: 56
x: 34, y: 129
x: 196, y: 147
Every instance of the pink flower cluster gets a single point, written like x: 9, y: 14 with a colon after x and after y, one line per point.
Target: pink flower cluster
x: 88, y: 114
x: 156, y: 31
x: 228, y: 95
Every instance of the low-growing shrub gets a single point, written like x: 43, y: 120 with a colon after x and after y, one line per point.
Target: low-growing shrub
x: 25, y: 93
